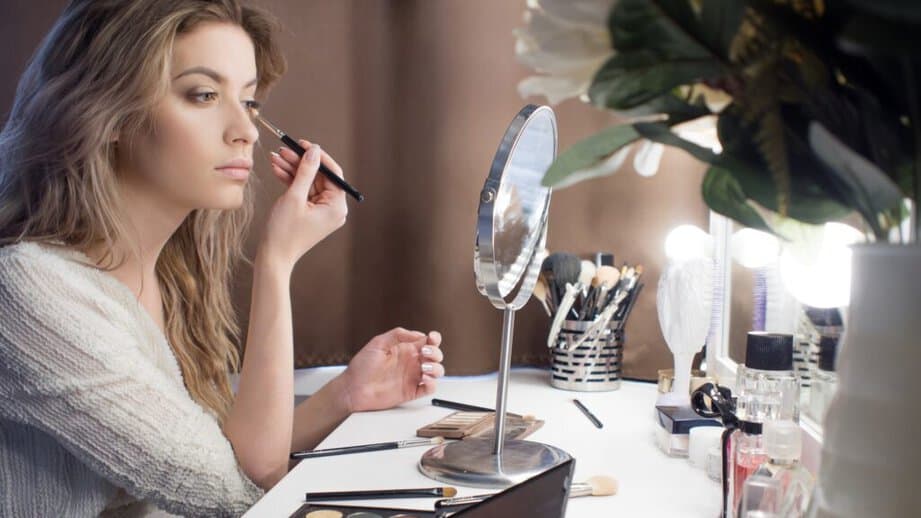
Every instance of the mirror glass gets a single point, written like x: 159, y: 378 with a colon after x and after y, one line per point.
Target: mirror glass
x: 513, y: 204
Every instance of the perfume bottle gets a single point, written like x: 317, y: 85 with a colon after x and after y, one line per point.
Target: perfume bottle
x: 825, y: 379
x: 767, y: 390
x: 794, y: 483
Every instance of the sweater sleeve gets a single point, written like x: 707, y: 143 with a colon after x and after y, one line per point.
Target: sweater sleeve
x: 68, y: 369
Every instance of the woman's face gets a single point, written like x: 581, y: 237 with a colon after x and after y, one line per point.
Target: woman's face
x: 198, y: 153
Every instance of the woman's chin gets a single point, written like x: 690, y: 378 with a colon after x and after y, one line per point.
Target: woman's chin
x: 229, y: 199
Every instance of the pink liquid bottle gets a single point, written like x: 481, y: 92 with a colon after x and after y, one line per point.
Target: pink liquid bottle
x: 767, y: 389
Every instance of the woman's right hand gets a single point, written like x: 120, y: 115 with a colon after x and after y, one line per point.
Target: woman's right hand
x: 312, y: 207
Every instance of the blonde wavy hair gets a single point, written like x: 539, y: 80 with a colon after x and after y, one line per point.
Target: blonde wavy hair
x: 98, y: 73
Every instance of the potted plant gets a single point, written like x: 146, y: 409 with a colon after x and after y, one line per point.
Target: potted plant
x: 817, y: 115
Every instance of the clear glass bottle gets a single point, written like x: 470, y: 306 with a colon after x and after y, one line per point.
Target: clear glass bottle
x: 783, y: 444
x: 766, y: 385
x: 767, y: 389
x: 825, y: 379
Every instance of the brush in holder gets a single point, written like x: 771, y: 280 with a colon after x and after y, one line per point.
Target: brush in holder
x: 595, y: 365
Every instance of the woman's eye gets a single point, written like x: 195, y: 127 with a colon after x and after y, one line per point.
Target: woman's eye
x: 204, y: 97
x: 252, y: 105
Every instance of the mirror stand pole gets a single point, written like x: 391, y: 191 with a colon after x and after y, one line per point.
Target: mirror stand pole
x: 505, y: 360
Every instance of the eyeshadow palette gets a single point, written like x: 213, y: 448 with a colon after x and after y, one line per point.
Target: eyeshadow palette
x: 348, y: 511
x: 463, y: 424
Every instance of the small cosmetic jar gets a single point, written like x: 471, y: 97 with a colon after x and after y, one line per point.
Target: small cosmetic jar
x: 674, y: 426
x: 715, y: 464
x: 701, y: 440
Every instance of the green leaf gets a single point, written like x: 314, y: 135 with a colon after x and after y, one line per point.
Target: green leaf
x: 632, y: 79
x: 659, y: 132
x: 865, y: 186
x: 807, y: 202
x: 811, y: 200
x: 587, y: 153
x: 723, y: 194
x: 664, y: 27
x: 870, y: 35
x: 719, y: 23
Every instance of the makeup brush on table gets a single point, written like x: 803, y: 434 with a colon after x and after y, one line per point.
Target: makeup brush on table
x: 595, y: 486
x: 599, y: 485
x: 363, y: 448
x: 424, y: 492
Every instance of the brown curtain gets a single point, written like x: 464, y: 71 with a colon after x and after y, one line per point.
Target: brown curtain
x: 412, y: 98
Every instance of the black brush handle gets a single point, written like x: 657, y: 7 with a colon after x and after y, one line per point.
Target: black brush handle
x: 345, y: 450
x: 460, y: 406
x: 333, y: 177
x: 376, y: 493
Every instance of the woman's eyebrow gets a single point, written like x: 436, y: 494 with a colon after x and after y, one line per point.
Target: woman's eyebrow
x: 218, y: 78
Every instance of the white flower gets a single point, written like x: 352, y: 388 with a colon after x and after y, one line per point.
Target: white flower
x: 565, y: 40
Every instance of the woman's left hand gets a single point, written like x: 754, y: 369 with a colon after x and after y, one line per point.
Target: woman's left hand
x: 397, y: 366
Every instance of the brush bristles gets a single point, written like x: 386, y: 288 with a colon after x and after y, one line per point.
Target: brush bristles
x: 603, y: 486
x: 438, y: 440
x: 449, y: 492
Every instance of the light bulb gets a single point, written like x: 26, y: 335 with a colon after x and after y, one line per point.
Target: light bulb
x: 817, y: 272
x: 754, y: 249
x: 687, y: 242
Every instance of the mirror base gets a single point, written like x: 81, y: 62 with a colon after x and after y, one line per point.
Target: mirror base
x: 472, y: 463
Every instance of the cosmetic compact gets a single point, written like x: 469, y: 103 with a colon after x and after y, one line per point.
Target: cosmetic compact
x: 675, y: 424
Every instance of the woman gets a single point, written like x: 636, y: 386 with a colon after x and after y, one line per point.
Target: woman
x: 123, y: 196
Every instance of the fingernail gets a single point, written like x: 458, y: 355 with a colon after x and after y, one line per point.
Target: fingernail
x: 274, y: 154
x: 427, y: 351
x: 427, y: 367
x: 314, y: 152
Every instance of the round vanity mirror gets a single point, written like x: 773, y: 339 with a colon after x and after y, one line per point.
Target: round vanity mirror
x: 509, y: 248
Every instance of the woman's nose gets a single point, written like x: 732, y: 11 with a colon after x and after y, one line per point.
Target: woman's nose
x: 241, y: 128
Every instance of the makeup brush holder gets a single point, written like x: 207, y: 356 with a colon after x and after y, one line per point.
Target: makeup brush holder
x: 595, y: 365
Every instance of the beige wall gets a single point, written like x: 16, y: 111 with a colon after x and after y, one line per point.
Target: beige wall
x: 412, y: 97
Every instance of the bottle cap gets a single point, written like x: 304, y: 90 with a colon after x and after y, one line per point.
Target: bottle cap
x: 769, y: 351
x: 824, y: 316
x: 828, y: 351
x: 783, y: 440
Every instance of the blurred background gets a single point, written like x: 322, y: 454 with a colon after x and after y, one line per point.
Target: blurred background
x: 411, y: 97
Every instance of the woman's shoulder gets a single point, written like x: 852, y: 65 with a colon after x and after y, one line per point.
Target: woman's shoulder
x: 34, y: 273
x: 29, y: 262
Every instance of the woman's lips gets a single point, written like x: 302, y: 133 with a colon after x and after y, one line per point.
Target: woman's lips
x: 234, y: 173
x: 236, y: 169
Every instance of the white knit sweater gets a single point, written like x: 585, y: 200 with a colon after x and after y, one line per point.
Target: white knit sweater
x: 94, y: 416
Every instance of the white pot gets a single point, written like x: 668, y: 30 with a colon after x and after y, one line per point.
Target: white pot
x: 871, y: 458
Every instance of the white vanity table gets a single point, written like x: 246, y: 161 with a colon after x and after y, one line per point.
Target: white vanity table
x: 651, y: 484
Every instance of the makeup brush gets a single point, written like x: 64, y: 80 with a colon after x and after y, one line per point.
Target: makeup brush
x: 607, y: 277
x: 563, y: 269
x: 565, y: 305
x: 383, y: 493
x: 595, y: 486
x: 291, y: 143
x: 540, y: 292
x: 361, y: 448
x: 586, y: 272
